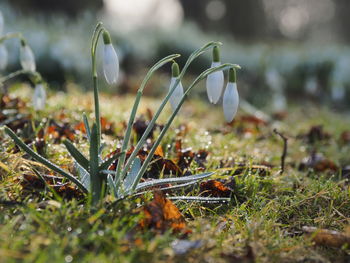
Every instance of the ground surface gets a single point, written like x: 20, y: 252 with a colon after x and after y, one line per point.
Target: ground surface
x: 262, y: 223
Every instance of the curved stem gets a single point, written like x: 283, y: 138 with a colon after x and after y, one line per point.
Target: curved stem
x: 11, y: 35
x: 96, y: 35
x: 18, y: 73
x: 139, y: 145
x: 172, y: 117
x: 127, y: 135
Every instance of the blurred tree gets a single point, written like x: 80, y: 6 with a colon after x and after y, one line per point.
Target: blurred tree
x: 70, y: 7
x: 244, y: 19
x: 343, y: 21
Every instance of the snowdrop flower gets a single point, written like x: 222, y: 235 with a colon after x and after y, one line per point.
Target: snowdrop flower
x: 39, y: 97
x: 110, y: 60
x: 231, y: 98
x: 179, y: 91
x: 3, y: 57
x: 215, y: 81
x: 27, y: 57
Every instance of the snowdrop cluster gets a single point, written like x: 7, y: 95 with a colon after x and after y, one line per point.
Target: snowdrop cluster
x: 27, y: 61
x: 215, y: 85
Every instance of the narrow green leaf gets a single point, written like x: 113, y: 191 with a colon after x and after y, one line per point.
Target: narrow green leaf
x: 173, y: 180
x: 87, y: 127
x: 96, y: 179
x: 109, y: 161
x: 200, y: 199
x: 112, y: 185
x: 77, y: 155
x: 42, y: 160
x: 131, y: 177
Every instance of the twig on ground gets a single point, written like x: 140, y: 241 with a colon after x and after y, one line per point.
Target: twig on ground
x: 285, y: 149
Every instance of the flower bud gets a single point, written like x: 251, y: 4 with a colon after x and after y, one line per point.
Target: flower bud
x: 27, y: 57
x: 3, y: 57
x: 178, y: 93
x: 215, y: 80
x: 39, y: 97
x: 110, y: 60
x: 231, y: 97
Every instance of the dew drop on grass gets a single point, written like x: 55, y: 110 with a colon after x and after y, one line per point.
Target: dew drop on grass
x: 68, y: 258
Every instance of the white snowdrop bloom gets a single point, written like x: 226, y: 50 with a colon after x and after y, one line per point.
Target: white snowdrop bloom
x: 1, y: 24
x: 27, y: 58
x: 231, y: 97
x: 39, y: 97
x: 177, y: 94
x: 179, y: 91
x: 3, y: 57
x: 279, y: 101
x: 110, y: 60
x: 215, y: 80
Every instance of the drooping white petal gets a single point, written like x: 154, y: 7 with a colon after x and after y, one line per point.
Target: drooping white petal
x: 3, y: 57
x: 215, y: 84
x: 27, y: 58
x: 177, y: 94
x: 230, y: 101
x: 39, y: 97
x: 110, y: 64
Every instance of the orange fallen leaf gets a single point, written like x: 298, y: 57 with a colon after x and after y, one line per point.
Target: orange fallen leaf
x: 161, y: 214
x: 327, y: 237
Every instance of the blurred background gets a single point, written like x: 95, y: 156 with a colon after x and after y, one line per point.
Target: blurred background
x: 290, y: 51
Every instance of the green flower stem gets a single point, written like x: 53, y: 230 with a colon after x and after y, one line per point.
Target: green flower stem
x: 11, y: 35
x: 18, y: 73
x: 96, y: 35
x: 172, y: 117
x: 127, y: 135
x: 150, y: 126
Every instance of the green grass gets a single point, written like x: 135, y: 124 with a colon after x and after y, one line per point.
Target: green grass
x: 266, y: 215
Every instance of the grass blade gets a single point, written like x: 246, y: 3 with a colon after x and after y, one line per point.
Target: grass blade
x: 77, y: 155
x: 44, y: 161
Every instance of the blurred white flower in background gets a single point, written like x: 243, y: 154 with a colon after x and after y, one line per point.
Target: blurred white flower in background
x: 1, y: 24
x: 27, y: 58
x: 133, y: 14
x: 3, y: 56
x: 39, y: 97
